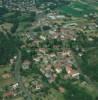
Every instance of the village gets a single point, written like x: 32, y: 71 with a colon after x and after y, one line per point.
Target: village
x: 49, y: 57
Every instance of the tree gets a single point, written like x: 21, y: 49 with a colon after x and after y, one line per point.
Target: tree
x: 1, y: 95
x: 7, y: 47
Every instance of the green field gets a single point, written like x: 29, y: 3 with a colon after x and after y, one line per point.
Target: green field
x: 79, y: 9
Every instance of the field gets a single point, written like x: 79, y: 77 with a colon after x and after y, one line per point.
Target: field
x: 55, y: 95
x: 6, y: 27
x: 4, y: 68
x: 90, y: 62
x: 23, y: 26
x: 8, y: 81
x: 79, y: 8
x: 19, y: 98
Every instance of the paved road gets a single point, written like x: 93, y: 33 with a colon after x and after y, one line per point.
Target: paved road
x: 26, y: 93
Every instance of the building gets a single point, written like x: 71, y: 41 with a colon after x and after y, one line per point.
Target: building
x: 72, y: 72
x: 21, y: 5
x: 26, y: 64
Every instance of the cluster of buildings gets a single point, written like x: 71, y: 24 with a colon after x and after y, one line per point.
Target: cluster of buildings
x: 54, y: 56
x: 27, y: 5
x: 55, y: 60
x: 53, y: 64
x: 11, y: 90
x: 20, y: 5
x: 61, y: 58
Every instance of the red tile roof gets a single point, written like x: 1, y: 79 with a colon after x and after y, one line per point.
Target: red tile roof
x: 71, y: 71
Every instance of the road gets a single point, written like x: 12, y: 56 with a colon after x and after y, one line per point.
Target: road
x: 26, y: 93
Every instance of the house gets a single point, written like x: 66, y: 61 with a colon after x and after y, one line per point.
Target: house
x: 11, y: 61
x: 15, y: 86
x: 45, y: 60
x: 58, y: 68
x: 66, y: 53
x: 15, y: 57
x: 42, y: 50
x: 61, y: 89
x: 51, y: 17
x: 55, y: 16
x: 26, y: 64
x: 60, y: 17
x: 36, y: 59
x: 52, y: 55
x: 48, y: 74
x: 52, y: 79
x: 39, y: 86
x: 70, y: 71
x: 43, y: 37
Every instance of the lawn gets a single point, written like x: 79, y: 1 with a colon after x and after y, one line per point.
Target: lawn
x: 54, y: 95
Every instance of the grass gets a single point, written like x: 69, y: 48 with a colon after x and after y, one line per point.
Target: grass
x: 89, y: 64
x: 92, y: 57
x: 6, y: 26
x: 55, y: 95
x: 4, y: 68
x: 8, y: 14
x: 4, y: 82
x: 90, y: 89
x: 78, y: 9
x: 23, y: 26
x: 19, y: 98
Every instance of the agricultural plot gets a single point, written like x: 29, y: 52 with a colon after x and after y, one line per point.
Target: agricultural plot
x: 79, y: 9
